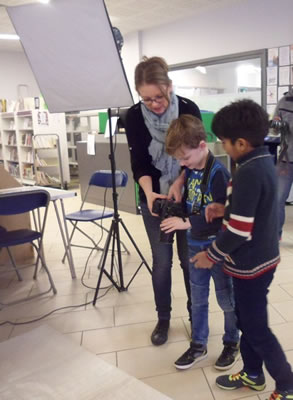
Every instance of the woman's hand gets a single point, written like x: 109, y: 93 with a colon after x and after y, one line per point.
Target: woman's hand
x: 201, y: 260
x: 151, y: 197
x: 147, y: 185
x: 174, y: 223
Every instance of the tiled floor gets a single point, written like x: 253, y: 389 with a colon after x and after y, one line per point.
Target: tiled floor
x: 118, y: 328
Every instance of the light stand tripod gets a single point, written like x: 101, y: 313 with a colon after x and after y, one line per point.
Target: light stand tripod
x: 75, y: 89
x: 114, y: 235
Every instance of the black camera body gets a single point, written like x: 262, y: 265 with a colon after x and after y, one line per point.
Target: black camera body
x: 167, y: 208
x: 280, y: 127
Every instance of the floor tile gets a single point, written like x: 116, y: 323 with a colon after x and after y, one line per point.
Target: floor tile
x: 182, y: 386
x: 285, y: 309
x: 128, y: 336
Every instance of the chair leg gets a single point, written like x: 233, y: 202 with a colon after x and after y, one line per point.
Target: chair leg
x: 14, y: 264
x: 70, y: 238
x: 74, y: 245
x: 40, y: 256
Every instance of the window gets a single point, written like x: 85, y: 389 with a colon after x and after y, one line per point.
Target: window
x: 214, y: 83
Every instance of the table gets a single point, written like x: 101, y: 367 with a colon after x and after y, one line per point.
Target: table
x: 55, y: 195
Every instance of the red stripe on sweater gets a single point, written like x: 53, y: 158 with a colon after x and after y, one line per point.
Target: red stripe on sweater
x: 241, y: 225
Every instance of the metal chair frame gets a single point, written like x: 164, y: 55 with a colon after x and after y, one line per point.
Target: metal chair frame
x: 102, y: 179
x: 19, y: 202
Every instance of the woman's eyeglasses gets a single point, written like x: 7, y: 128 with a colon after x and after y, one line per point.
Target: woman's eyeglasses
x: 149, y: 101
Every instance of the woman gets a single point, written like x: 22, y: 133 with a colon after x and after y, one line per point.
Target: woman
x: 146, y: 126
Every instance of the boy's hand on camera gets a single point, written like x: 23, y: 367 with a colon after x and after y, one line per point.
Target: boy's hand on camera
x: 151, y: 197
x: 214, y: 210
x: 174, y: 223
x: 201, y: 260
x: 175, y: 192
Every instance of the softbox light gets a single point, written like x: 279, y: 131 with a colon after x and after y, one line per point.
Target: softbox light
x: 72, y: 51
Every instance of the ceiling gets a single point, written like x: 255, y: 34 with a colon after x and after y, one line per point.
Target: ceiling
x: 127, y: 15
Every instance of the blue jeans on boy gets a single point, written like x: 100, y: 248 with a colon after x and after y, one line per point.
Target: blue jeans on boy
x: 285, y: 180
x: 200, y: 287
x: 162, y: 254
x: 258, y: 344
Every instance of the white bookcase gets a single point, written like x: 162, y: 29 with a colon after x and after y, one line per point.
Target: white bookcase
x: 17, y: 152
x: 77, y: 127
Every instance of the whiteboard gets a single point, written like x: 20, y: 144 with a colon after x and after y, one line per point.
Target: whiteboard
x: 73, y: 54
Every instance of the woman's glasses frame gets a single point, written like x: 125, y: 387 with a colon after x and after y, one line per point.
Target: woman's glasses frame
x: 149, y: 101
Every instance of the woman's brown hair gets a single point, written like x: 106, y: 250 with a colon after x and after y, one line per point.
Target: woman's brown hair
x: 152, y: 71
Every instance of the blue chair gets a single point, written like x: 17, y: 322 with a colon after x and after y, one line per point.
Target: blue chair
x: 19, y: 202
x: 102, y: 179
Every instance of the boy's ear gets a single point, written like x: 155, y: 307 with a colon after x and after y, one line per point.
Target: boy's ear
x: 242, y: 143
x: 202, y: 144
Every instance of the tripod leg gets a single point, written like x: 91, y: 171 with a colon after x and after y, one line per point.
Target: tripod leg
x: 103, y: 263
x: 135, y: 246
x: 139, y: 253
x: 119, y: 254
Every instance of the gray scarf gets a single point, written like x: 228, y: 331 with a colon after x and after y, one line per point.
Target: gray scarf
x: 158, y: 126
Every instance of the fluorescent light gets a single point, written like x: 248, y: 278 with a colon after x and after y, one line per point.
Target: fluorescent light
x: 200, y: 69
x: 44, y: 1
x: 7, y: 36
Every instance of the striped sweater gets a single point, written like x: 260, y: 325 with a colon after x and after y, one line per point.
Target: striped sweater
x: 249, y: 243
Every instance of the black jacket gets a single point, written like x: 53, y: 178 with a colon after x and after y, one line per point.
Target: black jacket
x: 139, y: 139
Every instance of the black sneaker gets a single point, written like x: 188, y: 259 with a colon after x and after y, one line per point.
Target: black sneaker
x: 228, y: 357
x: 194, y: 354
x: 160, y: 333
x: 237, y: 381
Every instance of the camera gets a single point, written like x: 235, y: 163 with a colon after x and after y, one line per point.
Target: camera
x: 167, y: 208
x: 279, y: 127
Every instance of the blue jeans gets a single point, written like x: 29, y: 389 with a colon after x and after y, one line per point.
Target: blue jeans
x: 162, y: 254
x: 200, y: 287
x: 285, y: 180
x: 258, y: 344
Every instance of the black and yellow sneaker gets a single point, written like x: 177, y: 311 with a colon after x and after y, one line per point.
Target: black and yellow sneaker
x: 280, y: 395
x: 237, y: 381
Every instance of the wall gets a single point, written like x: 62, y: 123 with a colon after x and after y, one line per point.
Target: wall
x: 248, y: 25
x: 15, y: 70
x: 131, y: 56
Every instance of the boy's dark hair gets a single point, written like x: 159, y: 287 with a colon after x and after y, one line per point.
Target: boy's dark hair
x: 242, y: 119
x: 186, y: 130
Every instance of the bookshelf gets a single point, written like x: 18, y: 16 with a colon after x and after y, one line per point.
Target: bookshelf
x: 9, y: 145
x: 77, y: 127
x: 48, y: 161
x: 17, y: 150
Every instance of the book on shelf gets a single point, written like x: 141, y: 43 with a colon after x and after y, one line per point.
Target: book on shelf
x: 26, y: 139
x: 28, y: 172
x: 13, y: 169
x: 29, y: 157
x: 12, y: 154
x: 27, y: 123
x: 11, y: 139
x: 40, y: 162
x: 44, y: 179
x: 44, y: 142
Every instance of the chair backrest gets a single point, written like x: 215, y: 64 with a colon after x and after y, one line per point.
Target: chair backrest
x: 21, y: 202
x: 103, y: 178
